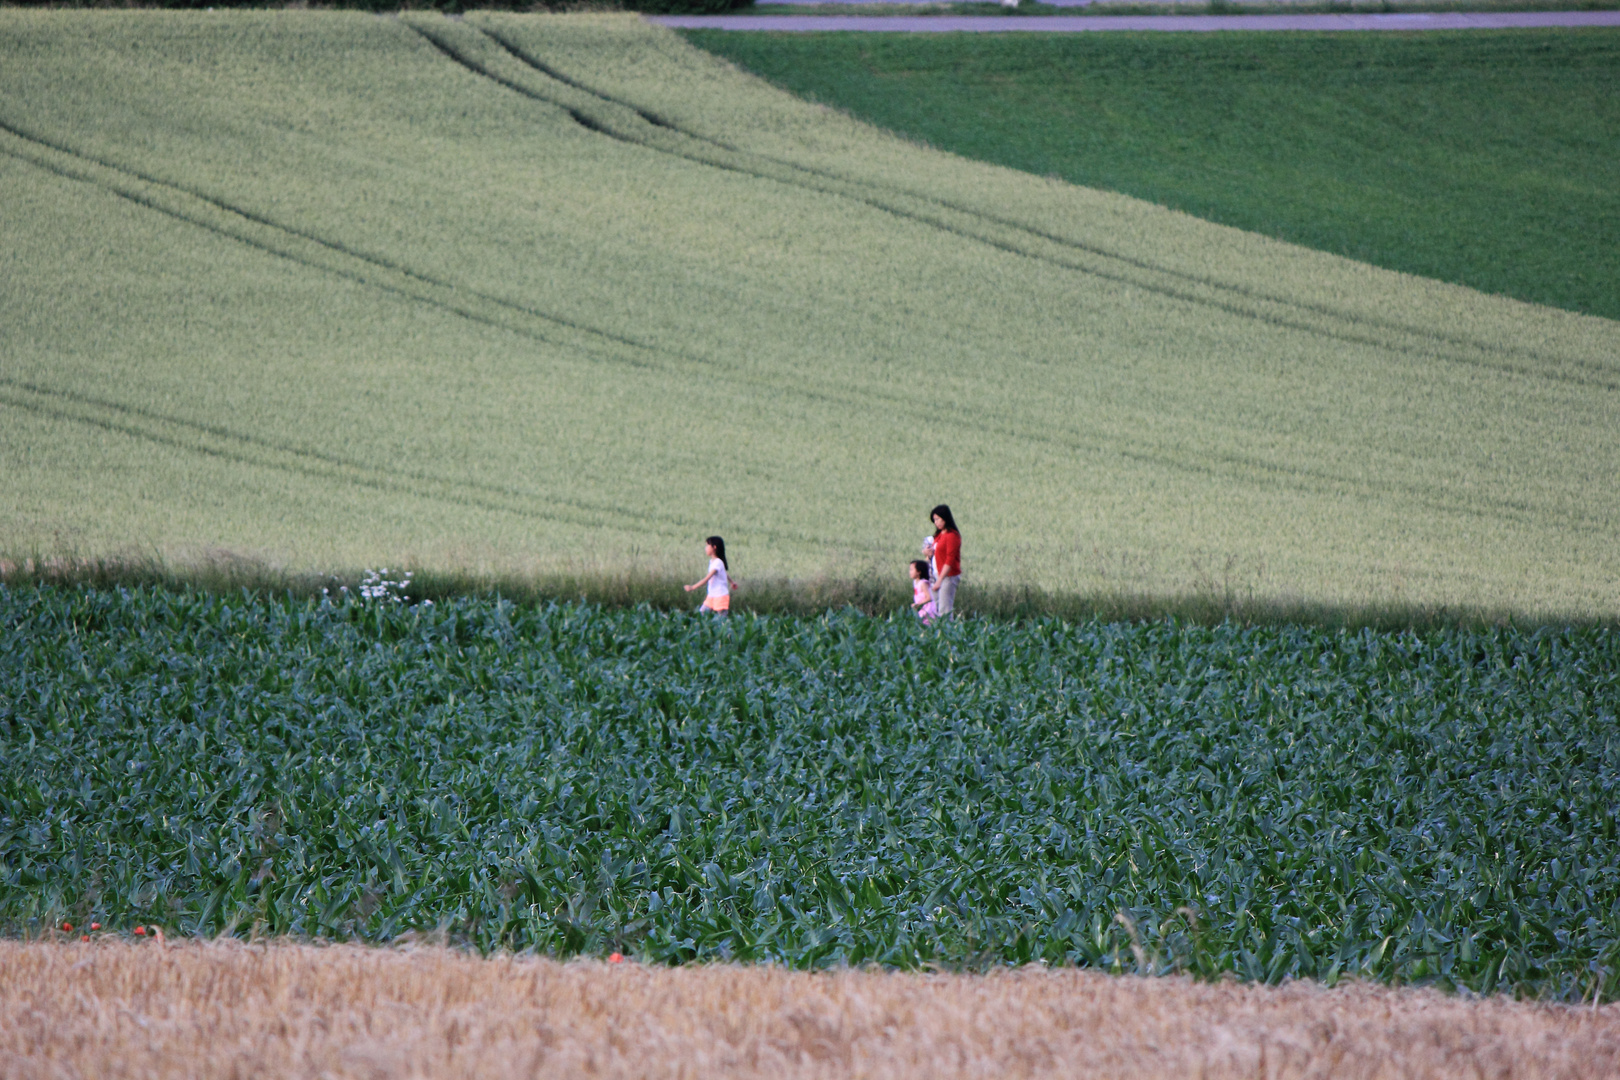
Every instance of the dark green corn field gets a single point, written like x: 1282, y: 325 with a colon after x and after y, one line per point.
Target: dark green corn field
x: 1275, y: 801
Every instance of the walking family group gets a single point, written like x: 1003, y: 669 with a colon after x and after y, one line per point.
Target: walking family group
x: 933, y: 578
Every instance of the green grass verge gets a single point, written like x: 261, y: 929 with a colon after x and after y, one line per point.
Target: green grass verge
x: 1483, y: 158
x: 525, y: 298
x: 1435, y: 808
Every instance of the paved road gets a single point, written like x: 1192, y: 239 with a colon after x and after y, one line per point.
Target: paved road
x: 1494, y: 20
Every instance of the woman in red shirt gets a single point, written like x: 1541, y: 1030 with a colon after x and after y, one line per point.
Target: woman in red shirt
x: 947, y: 559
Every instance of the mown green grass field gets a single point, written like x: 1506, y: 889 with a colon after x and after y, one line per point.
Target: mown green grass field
x: 517, y: 294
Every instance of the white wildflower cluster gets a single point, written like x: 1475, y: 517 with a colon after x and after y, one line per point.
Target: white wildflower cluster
x: 377, y: 585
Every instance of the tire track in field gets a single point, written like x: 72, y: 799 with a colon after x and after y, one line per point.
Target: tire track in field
x: 214, y: 440
x: 1244, y: 291
x: 604, y: 128
x: 1243, y: 469
x: 333, y: 257
x: 145, y: 200
x: 222, y: 442
x: 810, y: 392
x: 1587, y: 373
x: 1247, y: 292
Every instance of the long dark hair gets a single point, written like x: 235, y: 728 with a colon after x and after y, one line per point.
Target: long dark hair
x: 924, y: 571
x: 945, y: 512
x: 719, y: 545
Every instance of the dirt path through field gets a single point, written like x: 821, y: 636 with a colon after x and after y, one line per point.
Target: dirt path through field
x: 1495, y: 20
x: 112, y: 1009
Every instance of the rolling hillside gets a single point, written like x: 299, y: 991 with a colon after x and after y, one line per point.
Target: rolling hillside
x: 515, y: 293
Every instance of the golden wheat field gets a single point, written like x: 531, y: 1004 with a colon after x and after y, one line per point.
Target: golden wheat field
x: 528, y: 293
x: 111, y: 1009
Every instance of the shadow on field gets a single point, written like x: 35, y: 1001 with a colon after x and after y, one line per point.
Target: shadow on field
x: 225, y: 572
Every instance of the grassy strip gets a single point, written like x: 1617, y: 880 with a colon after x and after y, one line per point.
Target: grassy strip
x: 1273, y: 802
x: 1218, y: 601
x: 1481, y: 158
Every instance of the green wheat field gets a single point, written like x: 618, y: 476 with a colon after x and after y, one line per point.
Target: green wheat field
x: 518, y: 295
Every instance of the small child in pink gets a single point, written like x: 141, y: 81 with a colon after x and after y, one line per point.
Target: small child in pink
x: 922, y: 593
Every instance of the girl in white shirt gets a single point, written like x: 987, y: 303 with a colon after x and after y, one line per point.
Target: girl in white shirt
x: 717, y: 579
